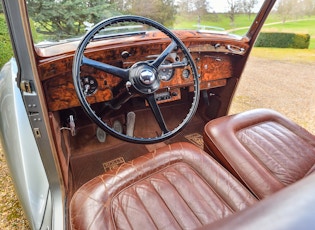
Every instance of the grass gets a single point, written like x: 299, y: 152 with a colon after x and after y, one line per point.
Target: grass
x: 281, y: 54
x: 11, y: 213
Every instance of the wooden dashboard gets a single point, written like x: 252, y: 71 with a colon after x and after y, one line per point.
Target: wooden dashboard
x: 214, y: 56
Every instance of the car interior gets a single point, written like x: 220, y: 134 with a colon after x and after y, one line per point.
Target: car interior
x: 159, y: 151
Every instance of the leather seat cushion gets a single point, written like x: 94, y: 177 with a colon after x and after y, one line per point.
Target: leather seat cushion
x: 176, y: 187
x: 263, y: 148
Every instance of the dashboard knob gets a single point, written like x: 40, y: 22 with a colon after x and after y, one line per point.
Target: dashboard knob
x: 125, y: 54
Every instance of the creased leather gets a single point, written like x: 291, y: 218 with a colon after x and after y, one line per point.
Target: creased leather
x: 176, y: 187
x: 263, y: 148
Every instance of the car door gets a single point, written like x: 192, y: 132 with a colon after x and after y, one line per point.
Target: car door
x: 24, y: 135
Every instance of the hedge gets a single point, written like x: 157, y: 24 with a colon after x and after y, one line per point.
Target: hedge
x: 283, y: 40
x: 5, y: 44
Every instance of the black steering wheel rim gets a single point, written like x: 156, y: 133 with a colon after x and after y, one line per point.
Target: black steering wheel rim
x: 79, y: 60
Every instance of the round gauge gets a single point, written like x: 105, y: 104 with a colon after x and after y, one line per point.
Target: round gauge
x: 89, y: 85
x: 165, y: 74
x: 186, y: 73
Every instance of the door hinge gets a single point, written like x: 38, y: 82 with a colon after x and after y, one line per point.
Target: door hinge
x: 26, y: 86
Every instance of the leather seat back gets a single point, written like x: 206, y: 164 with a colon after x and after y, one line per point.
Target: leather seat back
x: 263, y: 148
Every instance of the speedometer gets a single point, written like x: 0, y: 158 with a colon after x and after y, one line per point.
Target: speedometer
x: 167, y: 72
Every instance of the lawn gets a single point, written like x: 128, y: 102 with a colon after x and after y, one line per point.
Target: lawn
x: 281, y: 54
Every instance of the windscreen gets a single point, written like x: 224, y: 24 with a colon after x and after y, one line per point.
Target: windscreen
x: 55, y: 21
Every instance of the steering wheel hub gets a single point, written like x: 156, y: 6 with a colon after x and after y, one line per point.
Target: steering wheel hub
x: 147, y: 77
x: 144, y: 78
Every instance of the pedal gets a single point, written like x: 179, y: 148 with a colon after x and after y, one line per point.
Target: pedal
x: 131, y: 119
x: 101, y: 135
x: 117, y: 126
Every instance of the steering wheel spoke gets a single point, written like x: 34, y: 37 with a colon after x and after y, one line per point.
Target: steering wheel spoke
x: 160, y: 59
x: 119, y: 72
x: 156, y: 112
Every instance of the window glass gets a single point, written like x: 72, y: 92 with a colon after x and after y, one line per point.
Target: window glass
x: 64, y: 20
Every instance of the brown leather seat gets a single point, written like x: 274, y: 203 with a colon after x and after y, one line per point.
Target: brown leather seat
x: 292, y: 208
x: 263, y: 148
x: 176, y: 187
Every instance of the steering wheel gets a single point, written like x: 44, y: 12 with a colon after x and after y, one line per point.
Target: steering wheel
x: 141, y: 79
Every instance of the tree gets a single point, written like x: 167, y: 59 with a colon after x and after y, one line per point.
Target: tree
x: 308, y: 7
x: 234, y: 7
x: 5, y: 43
x: 295, y: 8
x: 285, y: 8
x: 184, y: 6
x: 60, y: 19
x: 200, y: 7
x: 248, y: 6
x: 162, y: 11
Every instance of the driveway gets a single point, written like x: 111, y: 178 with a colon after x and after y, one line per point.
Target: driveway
x: 286, y: 87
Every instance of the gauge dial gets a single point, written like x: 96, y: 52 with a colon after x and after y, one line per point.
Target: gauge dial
x: 89, y: 85
x: 186, y: 73
x: 165, y: 74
